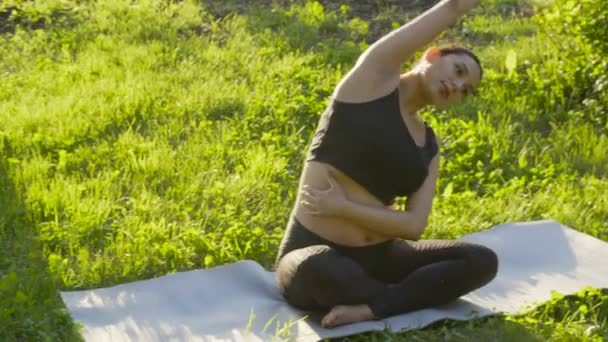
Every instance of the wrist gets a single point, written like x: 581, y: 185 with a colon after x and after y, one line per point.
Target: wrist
x: 466, y: 5
x: 343, y: 208
x: 461, y: 6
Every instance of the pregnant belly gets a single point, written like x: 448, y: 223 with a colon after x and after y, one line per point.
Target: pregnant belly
x: 337, y: 229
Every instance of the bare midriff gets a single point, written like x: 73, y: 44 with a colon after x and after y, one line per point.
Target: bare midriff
x: 337, y: 229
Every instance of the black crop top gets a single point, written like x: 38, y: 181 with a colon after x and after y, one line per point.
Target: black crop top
x: 370, y: 143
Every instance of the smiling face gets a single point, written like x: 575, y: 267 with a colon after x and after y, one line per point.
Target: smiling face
x: 449, y: 77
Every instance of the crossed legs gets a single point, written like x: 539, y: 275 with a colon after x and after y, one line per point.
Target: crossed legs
x: 382, y: 280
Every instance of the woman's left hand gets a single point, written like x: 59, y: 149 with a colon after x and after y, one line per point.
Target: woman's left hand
x: 328, y: 202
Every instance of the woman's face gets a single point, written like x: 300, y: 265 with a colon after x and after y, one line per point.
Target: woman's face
x: 450, y: 78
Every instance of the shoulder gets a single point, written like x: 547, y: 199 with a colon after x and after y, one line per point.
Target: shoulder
x: 365, y: 84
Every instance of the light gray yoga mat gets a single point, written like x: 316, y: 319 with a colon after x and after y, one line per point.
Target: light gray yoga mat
x: 240, y: 302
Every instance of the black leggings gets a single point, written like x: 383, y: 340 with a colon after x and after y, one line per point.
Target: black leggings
x: 392, y: 277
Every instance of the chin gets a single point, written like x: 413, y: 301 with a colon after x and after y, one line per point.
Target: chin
x: 440, y: 102
x: 442, y: 105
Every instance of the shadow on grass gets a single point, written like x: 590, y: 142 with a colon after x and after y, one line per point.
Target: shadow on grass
x: 379, y: 15
x: 30, y: 306
x: 364, y: 9
x: 539, y: 324
x: 494, y: 328
x: 11, y: 18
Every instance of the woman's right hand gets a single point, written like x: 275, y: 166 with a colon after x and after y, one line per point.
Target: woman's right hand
x: 324, y: 202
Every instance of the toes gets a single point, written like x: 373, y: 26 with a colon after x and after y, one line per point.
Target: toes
x: 325, y: 323
x: 329, y: 320
x: 341, y: 315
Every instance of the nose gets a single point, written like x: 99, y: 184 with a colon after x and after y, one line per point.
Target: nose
x: 458, y: 83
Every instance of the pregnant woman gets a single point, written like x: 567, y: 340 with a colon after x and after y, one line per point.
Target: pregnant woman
x: 347, y: 251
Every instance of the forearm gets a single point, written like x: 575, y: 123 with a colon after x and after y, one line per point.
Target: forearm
x: 433, y: 21
x: 401, y: 43
x: 427, y: 26
x: 386, y: 221
x: 408, y: 224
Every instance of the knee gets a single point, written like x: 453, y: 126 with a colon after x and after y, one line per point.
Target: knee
x: 301, y: 268
x: 484, y: 261
x: 304, y: 277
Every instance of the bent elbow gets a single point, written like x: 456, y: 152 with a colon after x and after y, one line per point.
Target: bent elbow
x: 417, y: 234
x: 415, y: 231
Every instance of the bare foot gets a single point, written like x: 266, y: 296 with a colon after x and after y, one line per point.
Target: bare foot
x: 346, y: 314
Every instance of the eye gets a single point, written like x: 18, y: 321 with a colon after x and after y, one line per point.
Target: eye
x: 459, y: 70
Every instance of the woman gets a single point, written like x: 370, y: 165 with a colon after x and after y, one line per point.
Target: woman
x: 345, y: 250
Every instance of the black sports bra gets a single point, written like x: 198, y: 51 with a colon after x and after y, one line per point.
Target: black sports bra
x: 370, y: 143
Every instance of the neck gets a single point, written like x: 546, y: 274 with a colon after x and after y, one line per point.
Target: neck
x: 413, y: 97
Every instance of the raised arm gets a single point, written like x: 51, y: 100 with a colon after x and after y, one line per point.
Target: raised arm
x: 393, y: 49
x: 377, y: 70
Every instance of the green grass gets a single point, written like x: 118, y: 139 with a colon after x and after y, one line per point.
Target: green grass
x: 144, y: 138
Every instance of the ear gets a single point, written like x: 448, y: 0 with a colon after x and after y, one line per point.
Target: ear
x: 432, y: 53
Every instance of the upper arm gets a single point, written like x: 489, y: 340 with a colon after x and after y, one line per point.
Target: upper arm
x: 421, y: 202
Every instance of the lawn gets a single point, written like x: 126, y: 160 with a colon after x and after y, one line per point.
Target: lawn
x: 141, y: 138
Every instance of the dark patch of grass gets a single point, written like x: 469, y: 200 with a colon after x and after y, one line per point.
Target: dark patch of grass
x: 12, y: 17
x: 30, y: 306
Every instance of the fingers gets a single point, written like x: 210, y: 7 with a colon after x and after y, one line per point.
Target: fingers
x: 332, y: 183
x: 309, y: 193
x: 310, y: 208
x: 308, y: 189
x: 331, y: 178
x: 309, y: 201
